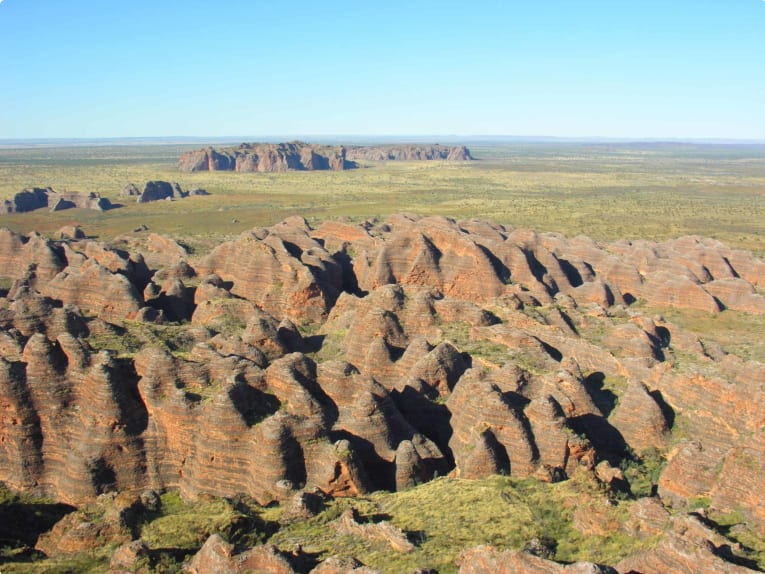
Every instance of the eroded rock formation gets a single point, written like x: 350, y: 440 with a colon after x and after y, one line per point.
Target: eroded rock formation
x: 410, y: 152
x: 38, y: 198
x: 157, y: 191
x: 262, y: 157
x: 351, y: 358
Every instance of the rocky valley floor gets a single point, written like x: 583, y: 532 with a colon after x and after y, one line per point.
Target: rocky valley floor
x: 400, y: 394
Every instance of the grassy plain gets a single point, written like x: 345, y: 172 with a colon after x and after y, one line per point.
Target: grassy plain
x: 651, y: 191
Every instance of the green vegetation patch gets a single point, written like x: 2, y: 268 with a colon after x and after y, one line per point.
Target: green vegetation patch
x: 446, y: 516
x: 186, y: 526
x: 132, y: 336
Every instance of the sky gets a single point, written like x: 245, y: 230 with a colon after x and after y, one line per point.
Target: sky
x: 588, y: 68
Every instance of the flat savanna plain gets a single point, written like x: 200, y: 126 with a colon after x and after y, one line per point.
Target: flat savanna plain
x: 609, y: 192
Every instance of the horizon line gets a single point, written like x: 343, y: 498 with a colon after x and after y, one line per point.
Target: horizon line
x: 373, y: 138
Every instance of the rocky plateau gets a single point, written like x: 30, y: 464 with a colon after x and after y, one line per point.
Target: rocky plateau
x: 351, y: 358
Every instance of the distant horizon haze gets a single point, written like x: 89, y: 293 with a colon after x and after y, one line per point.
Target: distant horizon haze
x: 365, y: 139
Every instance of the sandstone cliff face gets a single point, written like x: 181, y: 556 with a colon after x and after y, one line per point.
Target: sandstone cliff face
x: 351, y: 358
x: 266, y: 158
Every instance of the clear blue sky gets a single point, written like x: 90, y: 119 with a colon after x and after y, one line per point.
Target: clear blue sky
x: 615, y: 68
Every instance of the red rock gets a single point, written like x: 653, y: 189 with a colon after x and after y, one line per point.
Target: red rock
x: 489, y: 560
x: 281, y: 277
x: 675, y: 554
x: 107, y: 295
x: 18, y: 253
x: 737, y: 294
x: 266, y: 158
x: 217, y: 557
x: 640, y: 420
x: 348, y: 525
x: 409, y: 153
x: 668, y: 290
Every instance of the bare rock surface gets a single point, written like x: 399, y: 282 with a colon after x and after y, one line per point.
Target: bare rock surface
x: 486, y: 560
x: 218, y: 557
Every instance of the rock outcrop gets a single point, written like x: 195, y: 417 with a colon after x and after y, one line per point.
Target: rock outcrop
x: 411, y: 152
x: 262, y: 157
x: 489, y: 560
x: 158, y: 191
x: 37, y: 198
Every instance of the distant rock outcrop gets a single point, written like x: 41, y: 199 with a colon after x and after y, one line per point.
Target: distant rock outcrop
x: 409, y: 152
x: 262, y: 157
x: 38, y: 198
x: 157, y: 191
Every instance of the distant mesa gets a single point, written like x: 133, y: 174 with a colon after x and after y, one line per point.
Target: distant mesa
x: 300, y: 156
x: 157, y: 191
x: 255, y: 157
x: 409, y: 153
x: 34, y: 198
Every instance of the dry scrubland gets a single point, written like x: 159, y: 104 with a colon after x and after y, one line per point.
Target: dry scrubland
x: 604, y: 191
x: 607, y: 192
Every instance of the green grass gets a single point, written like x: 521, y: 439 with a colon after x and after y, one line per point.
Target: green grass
x: 738, y: 333
x: 186, y: 526
x: 446, y: 516
x: 132, y: 336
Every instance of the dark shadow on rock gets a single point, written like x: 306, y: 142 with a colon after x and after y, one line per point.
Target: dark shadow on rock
x: 292, y: 249
x: 571, y: 272
x: 381, y: 473
x: 294, y: 458
x: 666, y: 410
x: 552, y: 351
x: 22, y: 523
x: 350, y: 281
x: 606, y: 438
x: 604, y: 399
x: 503, y: 273
x: 499, y: 452
x: 102, y: 476
x: 133, y: 413
x: 252, y: 404
x: 664, y: 336
x: 314, y: 342
x: 724, y: 551
x: 535, y: 266
x: 430, y: 419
